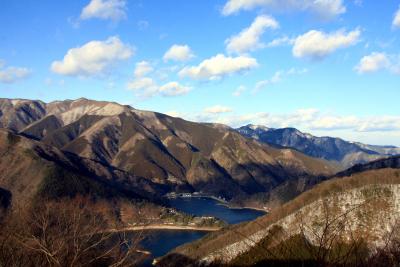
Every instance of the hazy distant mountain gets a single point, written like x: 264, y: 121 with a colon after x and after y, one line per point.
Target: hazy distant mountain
x: 329, y: 148
x: 391, y: 162
x: 170, y: 152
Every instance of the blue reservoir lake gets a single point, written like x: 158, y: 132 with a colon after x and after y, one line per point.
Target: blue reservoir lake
x: 160, y: 242
x: 201, y: 206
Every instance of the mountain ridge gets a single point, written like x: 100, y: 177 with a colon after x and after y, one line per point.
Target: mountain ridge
x: 330, y: 148
x: 171, y: 152
x: 366, y: 201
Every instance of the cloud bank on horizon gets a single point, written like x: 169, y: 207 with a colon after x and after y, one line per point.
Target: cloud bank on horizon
x: 328, y: 65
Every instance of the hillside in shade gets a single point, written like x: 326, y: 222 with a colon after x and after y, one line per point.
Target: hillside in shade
x: 174, y: 154
x: 342, y: 219
x: 30, y: 169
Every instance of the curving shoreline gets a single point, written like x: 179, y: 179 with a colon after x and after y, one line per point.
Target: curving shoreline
x: 225, y: 203
x: 165, y: 227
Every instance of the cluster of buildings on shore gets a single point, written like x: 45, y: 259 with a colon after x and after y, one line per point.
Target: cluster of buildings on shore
x: 194, y: 194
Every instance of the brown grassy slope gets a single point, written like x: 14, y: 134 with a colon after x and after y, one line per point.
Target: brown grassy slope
x: 214, y: 241
x: 28, y: 167
x: 172, y: 152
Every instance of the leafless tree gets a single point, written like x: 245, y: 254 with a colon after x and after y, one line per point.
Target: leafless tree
x: 65, y: 233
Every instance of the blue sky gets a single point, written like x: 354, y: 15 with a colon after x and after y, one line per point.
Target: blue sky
x: 327, y: 67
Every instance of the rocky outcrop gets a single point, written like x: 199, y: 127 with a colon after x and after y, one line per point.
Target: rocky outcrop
x: 356, y: 209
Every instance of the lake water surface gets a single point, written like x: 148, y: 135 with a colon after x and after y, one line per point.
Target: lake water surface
x: 159, y: 242
x: 210, y: 207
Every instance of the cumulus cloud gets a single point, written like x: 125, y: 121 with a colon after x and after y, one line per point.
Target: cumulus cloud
x: 325, y: 9
x: 93, y: 58
x: 317, y: 45
x: 10, y: 74
x: 219, y: 66
x: 178, y: 53
x: 373, y: 62
x: 114, y: 10
x: 218, y: 109
x: 145, y: 87
x: 396, y: 19
x: 142, y: 68
x: 142, y: 83
x: 249, y: 38
x: 380, y: 124
x: 379, y: 61
x: 334, y: 122
x: 309, y: 118
x: 174, y: 89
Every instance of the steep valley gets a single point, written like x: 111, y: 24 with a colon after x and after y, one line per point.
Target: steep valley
x: 176, y: 155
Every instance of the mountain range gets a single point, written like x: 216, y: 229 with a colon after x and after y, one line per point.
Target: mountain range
x: 171, y: 154
x: 347, y: 154
x: 123, y: 157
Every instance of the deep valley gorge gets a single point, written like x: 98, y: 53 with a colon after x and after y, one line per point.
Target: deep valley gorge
x: 176, y: 133
x: 122, y: 163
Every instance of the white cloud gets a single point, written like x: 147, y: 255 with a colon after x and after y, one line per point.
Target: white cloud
x: 142, y: 68
x: 173, y: 113
x: 218, y: 109
x: 334, y: 122
x: 396, y: 19
x: 142, y: 83
x: 145, y: 87
x: 371, y: 129
x: 317, y: 45
x: 277, y: 77
x: 380, y: 124
x: 93, y: 58
x: 12, y: 74
x: 280, y: 41
x: 309, y: 118
x: 373, y: 62
x: 178, y: 53
x: 325, y: 9
x: 249, y: 38
x: 219, y: 66
x: 174, y: 89
x: 105, y: 9
x: 239, y: 91
x: 379, y: 61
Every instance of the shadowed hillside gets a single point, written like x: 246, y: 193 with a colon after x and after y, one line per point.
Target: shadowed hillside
x: 353, y: 215
x: 173, y: 153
